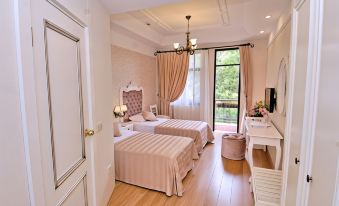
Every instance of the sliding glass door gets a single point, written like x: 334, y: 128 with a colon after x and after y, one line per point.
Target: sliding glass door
x: 226, y: 90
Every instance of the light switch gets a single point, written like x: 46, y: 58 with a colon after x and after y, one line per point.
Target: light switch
x: 99, y: 126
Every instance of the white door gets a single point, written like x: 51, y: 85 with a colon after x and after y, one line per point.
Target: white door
x: 299, y: 69
x: 324, y: 187
x: 60, y: 72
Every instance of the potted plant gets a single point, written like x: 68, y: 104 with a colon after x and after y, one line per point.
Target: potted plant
x: 259, y: 110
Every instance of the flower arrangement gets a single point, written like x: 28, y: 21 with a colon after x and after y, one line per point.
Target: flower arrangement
x: 259, y: 110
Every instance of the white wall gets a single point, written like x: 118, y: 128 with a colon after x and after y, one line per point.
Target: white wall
x: 259, y: 67
x: 278, y: 48
x: 13, y: 175
x: 131, y: 42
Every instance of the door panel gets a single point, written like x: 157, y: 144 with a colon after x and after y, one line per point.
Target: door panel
x: 301, y: 29
x: 77, y: 196
x: 61, y: 88
x: 65, y: 101
x: 324, y: 188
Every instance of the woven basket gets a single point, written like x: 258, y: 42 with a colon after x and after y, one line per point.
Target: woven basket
x: 233, y: 146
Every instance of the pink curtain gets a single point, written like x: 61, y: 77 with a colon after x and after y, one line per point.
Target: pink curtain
x: 246, y: 75
x: 172, y: 73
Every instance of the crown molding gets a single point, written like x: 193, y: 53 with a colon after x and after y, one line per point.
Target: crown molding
x: 223, y: 11
x: 285, y: 19
x: 157, y: 20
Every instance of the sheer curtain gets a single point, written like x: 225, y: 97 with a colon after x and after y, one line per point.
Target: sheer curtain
x: 188, y: 104
x: 196, y: 102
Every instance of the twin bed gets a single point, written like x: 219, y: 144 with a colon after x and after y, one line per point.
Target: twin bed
x: 158, y: 162
x: 158, y: 154
x: 198, y: 131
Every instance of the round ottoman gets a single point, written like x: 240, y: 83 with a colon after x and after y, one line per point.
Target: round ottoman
x: 233, y: 146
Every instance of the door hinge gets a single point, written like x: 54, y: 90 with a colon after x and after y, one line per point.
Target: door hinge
x: 296, y: 160
x: 32, y: 36
x: 308, y: 178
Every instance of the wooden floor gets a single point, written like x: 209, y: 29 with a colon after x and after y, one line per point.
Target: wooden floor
x: 213, y: 181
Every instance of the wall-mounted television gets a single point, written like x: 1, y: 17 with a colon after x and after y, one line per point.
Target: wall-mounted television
x: 270, y: 99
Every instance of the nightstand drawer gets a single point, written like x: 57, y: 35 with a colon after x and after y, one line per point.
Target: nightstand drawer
x: 127, y: 126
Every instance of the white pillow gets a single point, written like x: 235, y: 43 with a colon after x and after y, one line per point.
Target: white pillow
x: 149, y: 116
x: 137, y: 118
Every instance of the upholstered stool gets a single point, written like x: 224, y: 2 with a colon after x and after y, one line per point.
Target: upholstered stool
x: 233, y: 146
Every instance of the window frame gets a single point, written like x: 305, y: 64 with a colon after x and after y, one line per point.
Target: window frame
x: 214, y: 81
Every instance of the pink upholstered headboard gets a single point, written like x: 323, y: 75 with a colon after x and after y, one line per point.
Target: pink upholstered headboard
x: 132, y: 97
x: 133, y: 100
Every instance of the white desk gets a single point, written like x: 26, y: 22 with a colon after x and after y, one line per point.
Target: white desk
x: 262, y: 135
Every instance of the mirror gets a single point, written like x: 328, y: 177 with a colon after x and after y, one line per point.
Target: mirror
x: 281, y: 87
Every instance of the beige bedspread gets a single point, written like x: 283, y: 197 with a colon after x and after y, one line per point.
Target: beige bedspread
x: 200, y: 132
x: 154, y: 161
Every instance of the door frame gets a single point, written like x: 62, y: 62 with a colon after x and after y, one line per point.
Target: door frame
x: 28, y: 104
x: 311, y: 96
x: 214, y: 82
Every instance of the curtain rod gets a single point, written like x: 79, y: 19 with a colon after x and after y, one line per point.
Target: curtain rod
x: 206, y: 48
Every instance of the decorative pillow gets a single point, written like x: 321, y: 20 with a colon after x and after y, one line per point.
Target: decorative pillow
x: 137, y: 118
x: 149, y: 116
x: 116, y: 129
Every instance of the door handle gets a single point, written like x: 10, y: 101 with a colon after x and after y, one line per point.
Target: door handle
x: 89, y: 132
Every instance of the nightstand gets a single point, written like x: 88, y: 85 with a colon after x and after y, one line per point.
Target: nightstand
x: 127, y: 126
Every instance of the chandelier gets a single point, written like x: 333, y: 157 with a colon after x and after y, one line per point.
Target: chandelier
x: 191, y: 44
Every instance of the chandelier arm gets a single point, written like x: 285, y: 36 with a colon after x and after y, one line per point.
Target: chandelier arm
x: 180, y: 50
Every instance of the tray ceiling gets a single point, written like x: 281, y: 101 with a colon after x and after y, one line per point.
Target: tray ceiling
x: 222, y: 17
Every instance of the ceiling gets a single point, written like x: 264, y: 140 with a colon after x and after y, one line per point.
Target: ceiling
x: 212, y: 20
x: 119, y: 6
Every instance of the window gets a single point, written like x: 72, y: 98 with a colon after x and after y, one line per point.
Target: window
x: 227, y: 84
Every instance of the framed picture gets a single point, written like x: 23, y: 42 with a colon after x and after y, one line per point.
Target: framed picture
x: 154, y: 109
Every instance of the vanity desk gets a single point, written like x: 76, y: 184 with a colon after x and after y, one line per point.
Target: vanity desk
x: 259, y: 132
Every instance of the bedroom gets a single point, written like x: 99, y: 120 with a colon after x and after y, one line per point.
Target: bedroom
x: 157, y: 102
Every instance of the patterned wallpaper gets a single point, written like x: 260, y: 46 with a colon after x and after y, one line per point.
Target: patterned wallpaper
x: 132, y: 66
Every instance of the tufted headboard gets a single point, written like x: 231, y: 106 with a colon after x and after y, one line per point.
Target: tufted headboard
x: 132, y: 96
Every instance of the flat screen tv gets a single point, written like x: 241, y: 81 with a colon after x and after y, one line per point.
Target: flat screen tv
x: 269, y: 99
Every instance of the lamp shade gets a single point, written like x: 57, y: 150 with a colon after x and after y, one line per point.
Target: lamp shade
x: 193, y: 42
x: 123, y: 108
x: 117, y: 109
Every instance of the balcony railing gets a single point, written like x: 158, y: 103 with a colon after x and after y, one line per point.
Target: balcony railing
x: 226, y: 110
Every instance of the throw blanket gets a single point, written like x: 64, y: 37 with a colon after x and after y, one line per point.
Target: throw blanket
x: 158, y: 162
x: 200, y: 132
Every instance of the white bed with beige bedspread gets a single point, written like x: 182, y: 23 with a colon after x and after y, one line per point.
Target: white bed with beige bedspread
x: 199, y: 131
x: 153, y: 161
